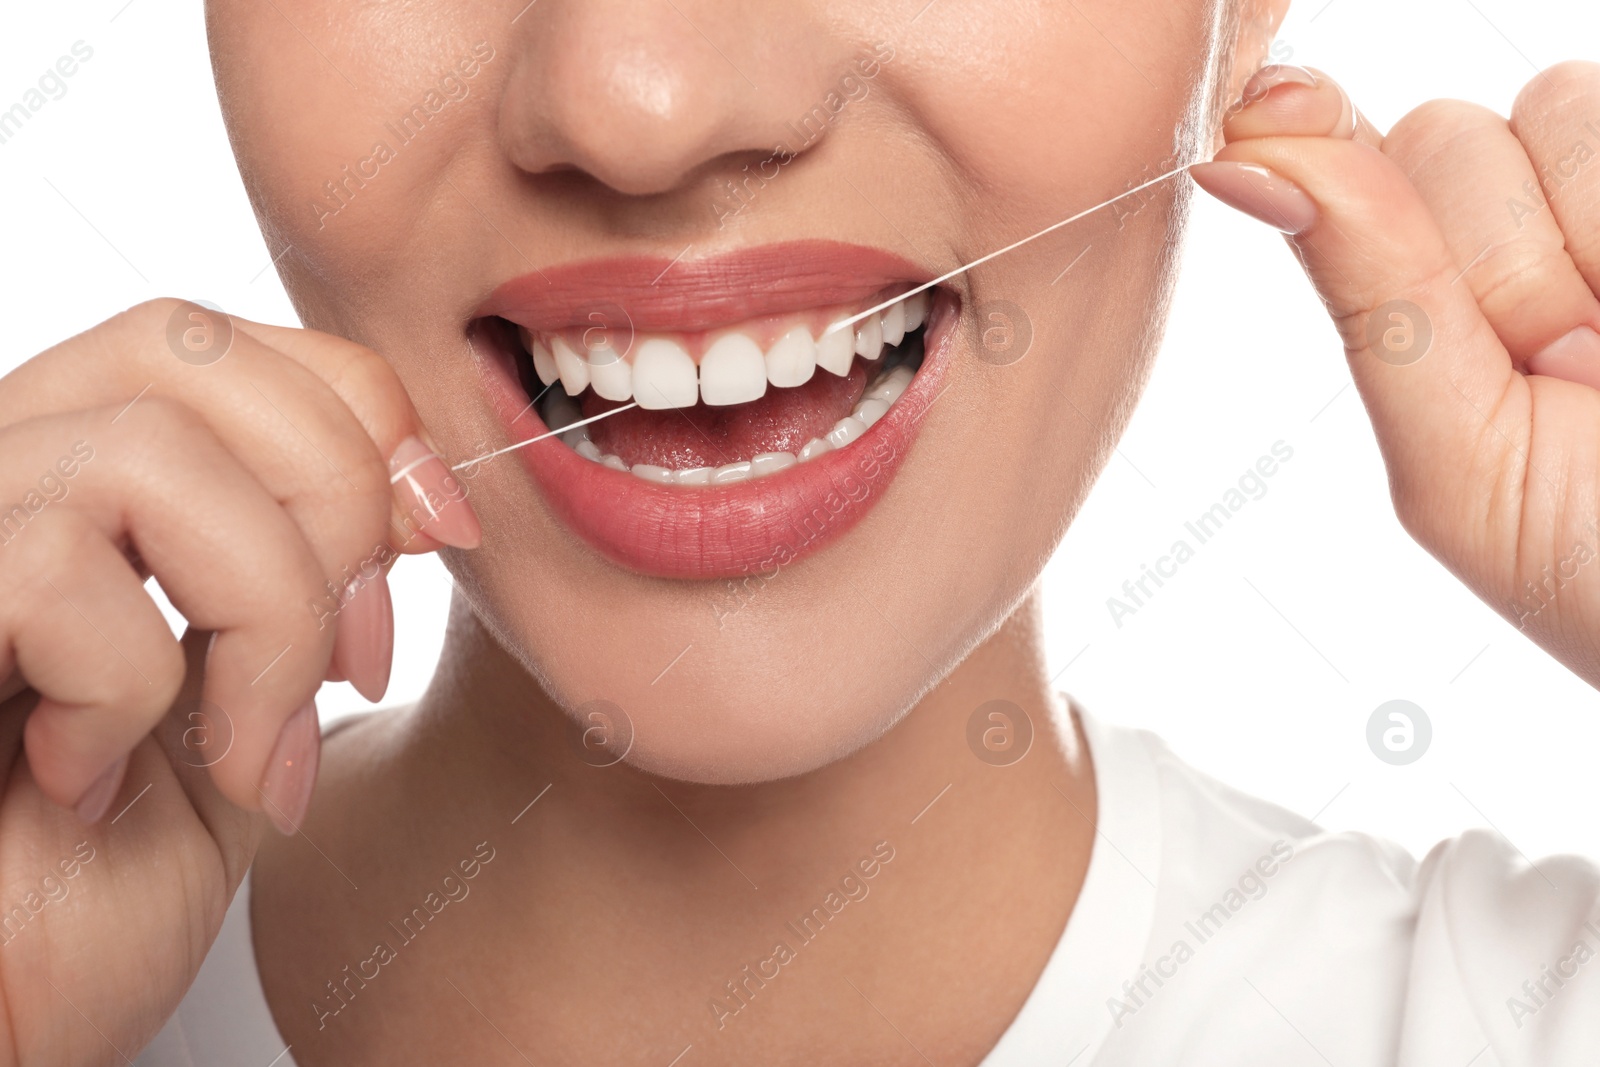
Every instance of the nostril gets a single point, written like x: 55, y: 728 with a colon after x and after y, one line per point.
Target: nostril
x: 644, y: 98
x: 630, y: 121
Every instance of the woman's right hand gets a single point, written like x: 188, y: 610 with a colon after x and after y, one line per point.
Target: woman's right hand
x: 249, y: 469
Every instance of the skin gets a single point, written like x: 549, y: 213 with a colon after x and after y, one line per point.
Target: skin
x: 601, y: 129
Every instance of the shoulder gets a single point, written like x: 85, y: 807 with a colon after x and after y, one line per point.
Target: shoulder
x: 1271, y: 929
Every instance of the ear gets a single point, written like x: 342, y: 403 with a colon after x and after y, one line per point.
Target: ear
x: 1254, y: 45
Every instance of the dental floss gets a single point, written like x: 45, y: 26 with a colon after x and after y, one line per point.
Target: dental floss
x: 843, y: 323
x: 541, y: 437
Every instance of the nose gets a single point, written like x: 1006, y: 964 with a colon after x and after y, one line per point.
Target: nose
x: 642, y: 94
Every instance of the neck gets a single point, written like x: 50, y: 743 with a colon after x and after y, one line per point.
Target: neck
x: 733, y: 872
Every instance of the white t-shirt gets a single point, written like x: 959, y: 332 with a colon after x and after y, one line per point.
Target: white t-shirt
x: 1213, y: 928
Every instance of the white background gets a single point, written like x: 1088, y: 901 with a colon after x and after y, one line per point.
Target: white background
x: 1260, y: 662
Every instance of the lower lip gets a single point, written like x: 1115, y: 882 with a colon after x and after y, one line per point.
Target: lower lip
x: 724, y: 531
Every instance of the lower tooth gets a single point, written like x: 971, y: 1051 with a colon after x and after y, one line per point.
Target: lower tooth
x: 814, y: 448
x: 871, y: 410
x: 651, y: 473
x: 771, y: 463
x: 589, y: 450
x: 695, y: 476
x: 846, y: 430
x: 615, y: 463
x: 731, y: 472
x: 890, y: 387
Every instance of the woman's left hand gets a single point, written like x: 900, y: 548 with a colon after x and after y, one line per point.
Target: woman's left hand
x: 1460, y: 259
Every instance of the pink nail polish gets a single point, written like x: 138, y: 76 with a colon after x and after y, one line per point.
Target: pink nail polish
x: 92, y: 806
x: 363, y: 649
x: 292, y: 770
x: 1259, y: 193
x: 432, y: 499
x: 1269, y: 78
x: 1572, y: 357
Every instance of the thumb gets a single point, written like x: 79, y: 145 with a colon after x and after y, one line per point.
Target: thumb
x: 1428, y: 364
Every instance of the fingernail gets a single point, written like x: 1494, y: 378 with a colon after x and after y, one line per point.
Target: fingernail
x: 1259, y: 193
x: 98, y: 797
x: 1345, y: 128
x: 1573, y: 357
x: 363, y: 648
x: 432, y: 499
x: 1269, y: 78
x: 292, y: 771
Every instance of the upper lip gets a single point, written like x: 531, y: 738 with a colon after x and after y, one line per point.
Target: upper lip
x: 686, y: 295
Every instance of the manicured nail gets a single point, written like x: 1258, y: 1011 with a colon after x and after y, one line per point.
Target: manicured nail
x: 292, y: 771
x: 1573, y: 357
x: 432, y: 499
x: 1345, y: 128
x: 363, y: 648
x: 1269, y: 78
x: 1259, y: 193
x: 98, y: 797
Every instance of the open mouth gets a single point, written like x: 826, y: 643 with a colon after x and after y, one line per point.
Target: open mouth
x: 754, y: 434
x: 729, y: 405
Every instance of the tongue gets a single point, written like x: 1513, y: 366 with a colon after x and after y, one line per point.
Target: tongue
x: 784, y: 420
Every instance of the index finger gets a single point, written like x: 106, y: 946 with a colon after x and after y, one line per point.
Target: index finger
x: 428, y: 507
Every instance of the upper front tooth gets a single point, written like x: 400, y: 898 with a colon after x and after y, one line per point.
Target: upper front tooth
x: 733, y: 371
x: 611, y: 377
x: 869, y: 337
x: 572, y: 367
x: 836, y: 351
x: 793, y: 359
x: 663, y: 375
x: 894, y: 323
x: 916, y: 309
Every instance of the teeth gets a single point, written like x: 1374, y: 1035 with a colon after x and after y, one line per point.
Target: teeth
x: 611, y: 377
x: 733, y: 371
x: 894, y: 324
x: 890, y: 386
x: 814, y: 448
x: 836, y: 351
x: 574, y: 371
x: 652, y: 473
x: 845, y: 431
x: 544, y: 364
x: 916, y: 309
x: 664, y: 375
x: 771, y: 463
x: 870, y: 411
x: 696, y: 476
x: 869, y: 338
x: 793, y: 360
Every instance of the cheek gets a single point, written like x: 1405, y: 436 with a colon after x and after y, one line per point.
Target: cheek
x: 343, y: 135
x: 1083, y: 98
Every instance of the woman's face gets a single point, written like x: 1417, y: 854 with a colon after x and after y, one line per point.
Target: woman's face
x: 672, y: 193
